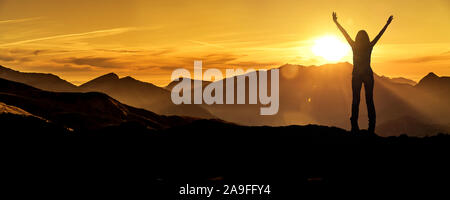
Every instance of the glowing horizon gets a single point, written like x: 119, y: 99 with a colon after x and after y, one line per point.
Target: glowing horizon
x: 81, y: 40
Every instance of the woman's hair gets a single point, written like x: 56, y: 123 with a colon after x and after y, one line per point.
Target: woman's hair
x: 362, y: 39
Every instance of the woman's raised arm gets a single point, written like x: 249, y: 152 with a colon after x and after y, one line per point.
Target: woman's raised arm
x: 347, y: 37
x: 375, y: 40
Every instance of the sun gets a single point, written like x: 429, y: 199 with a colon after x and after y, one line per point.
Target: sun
x: 330, y: 48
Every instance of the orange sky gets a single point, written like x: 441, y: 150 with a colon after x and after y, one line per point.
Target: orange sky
x: 82, y: 39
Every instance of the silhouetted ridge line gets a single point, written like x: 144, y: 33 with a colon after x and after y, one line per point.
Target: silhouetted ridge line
x: 101, y: 79
x: 321, y: 97
x: 81, y: 111
x: 40, y: 80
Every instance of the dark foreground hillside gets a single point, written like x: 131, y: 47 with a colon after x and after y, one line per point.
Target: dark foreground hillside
x: 128, y: 160
x: 89, y: 144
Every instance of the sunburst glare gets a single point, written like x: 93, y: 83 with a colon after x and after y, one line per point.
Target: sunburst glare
x: 330, y: 48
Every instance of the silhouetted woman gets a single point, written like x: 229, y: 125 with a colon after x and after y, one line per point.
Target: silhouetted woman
x: 362, y: 72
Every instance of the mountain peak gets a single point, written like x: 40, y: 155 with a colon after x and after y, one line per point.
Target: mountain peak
x: 101, y: 79
x: 107, y: 77
x: 128, y: 78
x: 110, y: 76
x: 431, y: 75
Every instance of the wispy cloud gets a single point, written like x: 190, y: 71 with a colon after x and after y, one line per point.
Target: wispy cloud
x: 75, y: 36
x: 225, y: 60
x: 102, y: 62
x: 153, y: 52
x: 9, y: 21
x: 206, y: 44
x: 424, y: 59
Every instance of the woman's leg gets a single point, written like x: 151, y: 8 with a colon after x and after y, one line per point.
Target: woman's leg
x: 368, y: 87
x: 356, y: 89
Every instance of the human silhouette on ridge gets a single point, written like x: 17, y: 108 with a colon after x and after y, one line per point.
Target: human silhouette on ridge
x: 362, y: 72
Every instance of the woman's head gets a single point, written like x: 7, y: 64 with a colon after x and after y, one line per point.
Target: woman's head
x: 362, y: 39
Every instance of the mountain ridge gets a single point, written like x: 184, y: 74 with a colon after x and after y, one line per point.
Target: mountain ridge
x: 313, y: 86
x: 80, y: 111
x: 142, y: 95
x: 44, y: 81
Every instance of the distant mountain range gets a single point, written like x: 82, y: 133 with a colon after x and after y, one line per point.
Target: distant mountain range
x: 42, y: 81
x: 322, y: 95
x: 127, y: 90
x: 142, y: 95
x: 77, y: 111
x: 403, y: 81
x: 308, y: 95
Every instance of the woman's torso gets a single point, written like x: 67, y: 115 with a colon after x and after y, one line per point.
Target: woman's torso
x: 361, y: 60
